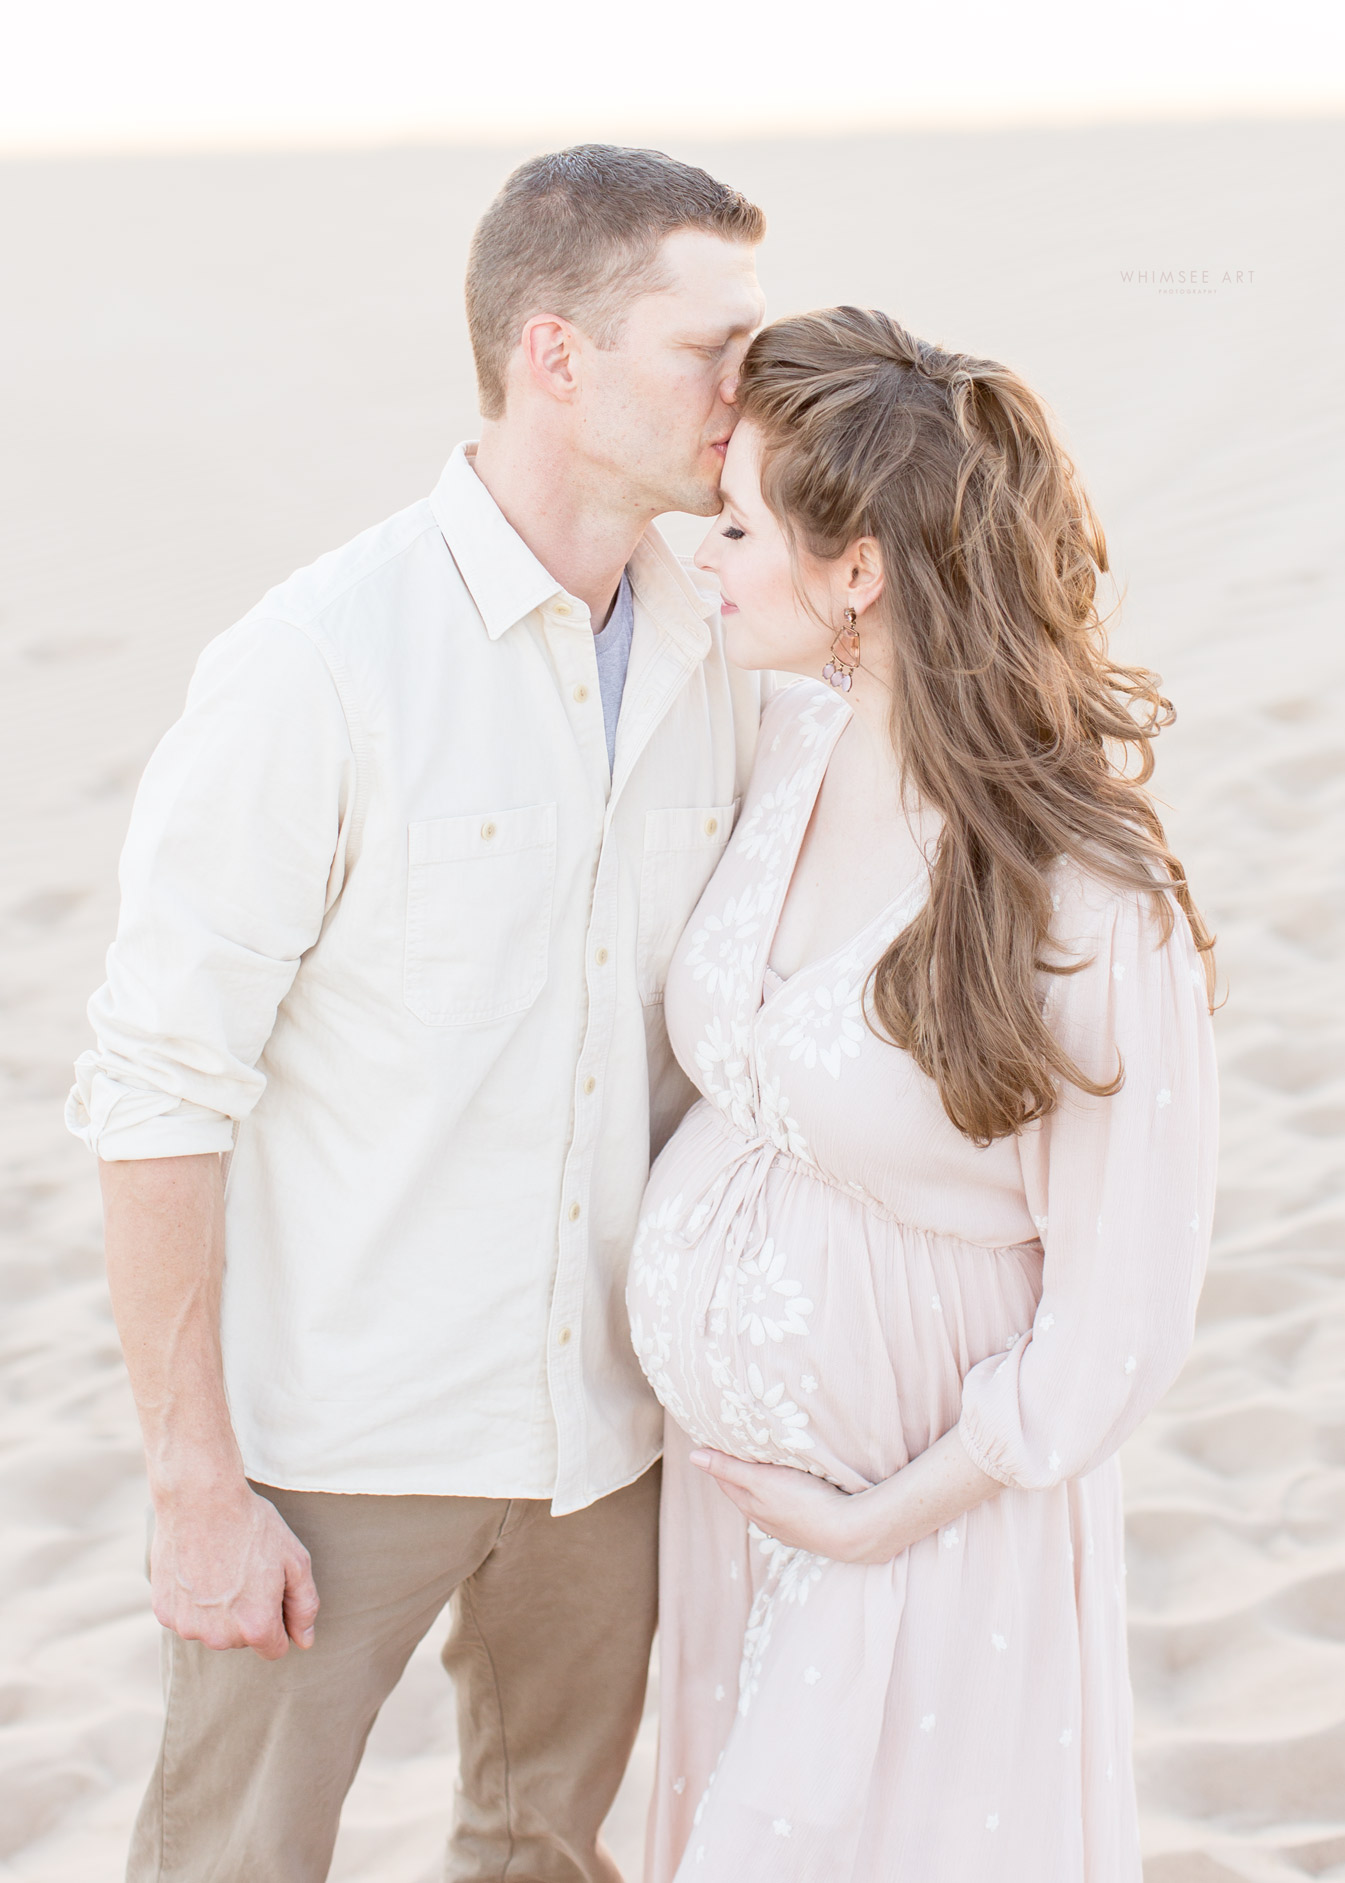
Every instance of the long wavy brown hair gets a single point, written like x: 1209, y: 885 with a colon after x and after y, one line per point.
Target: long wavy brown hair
x: 1009, y: 717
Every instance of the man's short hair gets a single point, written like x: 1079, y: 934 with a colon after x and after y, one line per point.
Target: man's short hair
x: 577, y: 233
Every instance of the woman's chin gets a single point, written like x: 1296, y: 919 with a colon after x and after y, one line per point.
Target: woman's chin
x: 754, y: 652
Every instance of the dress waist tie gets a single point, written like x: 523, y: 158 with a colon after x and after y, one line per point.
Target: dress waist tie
x: 733, y: 1211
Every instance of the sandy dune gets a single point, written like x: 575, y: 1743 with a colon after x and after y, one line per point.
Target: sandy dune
x: 213, y: 369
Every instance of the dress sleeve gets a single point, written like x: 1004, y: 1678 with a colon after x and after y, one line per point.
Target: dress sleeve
x: 1122, y: 1192
x: 233, y: 856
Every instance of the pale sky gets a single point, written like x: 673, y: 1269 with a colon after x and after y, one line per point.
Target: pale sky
x: 164, y: 73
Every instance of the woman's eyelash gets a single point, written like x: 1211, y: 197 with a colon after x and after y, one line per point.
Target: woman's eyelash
x: 734, y: 535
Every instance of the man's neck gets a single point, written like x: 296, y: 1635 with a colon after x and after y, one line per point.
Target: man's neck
x: 584, y: 536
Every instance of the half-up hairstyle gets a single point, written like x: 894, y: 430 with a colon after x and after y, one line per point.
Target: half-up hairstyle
x: 1008, y: 716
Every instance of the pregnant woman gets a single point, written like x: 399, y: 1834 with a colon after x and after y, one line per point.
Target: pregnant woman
x: 929, y: 1247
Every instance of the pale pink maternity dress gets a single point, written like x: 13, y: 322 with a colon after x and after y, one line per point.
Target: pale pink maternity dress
x: 828, y: 1275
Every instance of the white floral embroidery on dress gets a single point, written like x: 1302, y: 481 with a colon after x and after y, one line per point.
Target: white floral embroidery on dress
x: 723, y: 947
x: 722, y: 1056
x: 992, y: 1821
x: 770, y: 1305
x: 791, y: 1576
x: 927, y: 1723
x: 998, y: 1643
x: 782, y: 1827
x: 1164, y: 1098
x: 828, y: 1022
x: 811, y: 1676
x: 759, y: 833
x: 655, y: 1255
x: 815, y: 721
x: 761, y: 1419
x: 779, y: 1125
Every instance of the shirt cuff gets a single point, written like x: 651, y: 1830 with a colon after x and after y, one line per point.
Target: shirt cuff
x: 121, y: 1123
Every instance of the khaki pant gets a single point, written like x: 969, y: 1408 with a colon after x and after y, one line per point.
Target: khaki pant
x: 553, y: 1618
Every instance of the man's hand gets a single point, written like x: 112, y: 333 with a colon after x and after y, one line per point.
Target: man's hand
x: 225, y: 1568
x: 229, y: 1572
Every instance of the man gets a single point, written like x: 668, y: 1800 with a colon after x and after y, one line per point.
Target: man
x: 398, y: 899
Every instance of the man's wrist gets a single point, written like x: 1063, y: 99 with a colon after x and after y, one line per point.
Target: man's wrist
x: 193, y: 1478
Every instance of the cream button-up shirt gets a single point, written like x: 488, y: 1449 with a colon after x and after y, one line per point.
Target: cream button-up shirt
x: 394, y: 936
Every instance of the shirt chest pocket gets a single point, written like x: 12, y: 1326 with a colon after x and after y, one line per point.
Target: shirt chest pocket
x: 681, y: 849
x: 478, y: 914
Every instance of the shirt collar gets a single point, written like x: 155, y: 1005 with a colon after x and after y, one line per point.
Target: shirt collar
x: 503, y: 577
x: 507, y: 582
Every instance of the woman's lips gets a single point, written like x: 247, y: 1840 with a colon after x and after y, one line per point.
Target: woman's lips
x: 726, y: 607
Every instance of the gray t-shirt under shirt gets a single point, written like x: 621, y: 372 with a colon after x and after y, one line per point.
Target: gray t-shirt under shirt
x: 611, y: 644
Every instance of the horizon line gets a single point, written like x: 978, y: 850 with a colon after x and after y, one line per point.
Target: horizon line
x: 277, y: 140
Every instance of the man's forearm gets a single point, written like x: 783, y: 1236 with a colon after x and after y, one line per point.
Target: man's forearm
x: 224, y: 1568
x: 164, y: 1224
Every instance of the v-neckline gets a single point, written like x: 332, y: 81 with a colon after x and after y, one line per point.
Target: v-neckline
x: 764, y: 959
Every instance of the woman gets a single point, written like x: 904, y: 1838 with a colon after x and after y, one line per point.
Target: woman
x: 929, y: 1247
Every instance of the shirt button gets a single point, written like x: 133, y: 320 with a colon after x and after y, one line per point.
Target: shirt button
x: 488, y: 831
x: 564, y: 1336
x: 601, y: 957
x: 581, y: 694
x: 590, y: 1085
x: 563, y: 609
x: 711, y: 826
x: 574, y: 1212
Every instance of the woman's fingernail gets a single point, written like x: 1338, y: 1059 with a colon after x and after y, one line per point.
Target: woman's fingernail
x: 701, y: 1458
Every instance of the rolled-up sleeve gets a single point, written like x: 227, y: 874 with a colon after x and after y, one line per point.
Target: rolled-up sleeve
x: 1122, y: 1191
x: 234, y: 854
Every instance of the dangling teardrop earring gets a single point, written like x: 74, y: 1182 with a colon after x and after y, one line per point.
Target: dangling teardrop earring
x: 840, y: 669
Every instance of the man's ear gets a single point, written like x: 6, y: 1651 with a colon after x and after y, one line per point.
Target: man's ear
x: 551, y: 355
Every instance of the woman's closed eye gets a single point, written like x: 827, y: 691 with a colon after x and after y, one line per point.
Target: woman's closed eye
x: 734, y: 534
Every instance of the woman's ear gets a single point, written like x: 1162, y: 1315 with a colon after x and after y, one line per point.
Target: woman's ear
x: 863, y: 573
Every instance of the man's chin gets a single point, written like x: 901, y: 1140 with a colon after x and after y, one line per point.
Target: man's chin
x: 698, y: 499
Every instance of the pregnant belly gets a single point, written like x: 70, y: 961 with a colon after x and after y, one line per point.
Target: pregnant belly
x: 786, y: 1320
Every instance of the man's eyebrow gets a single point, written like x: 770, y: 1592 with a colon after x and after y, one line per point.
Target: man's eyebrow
x: 706, y: 337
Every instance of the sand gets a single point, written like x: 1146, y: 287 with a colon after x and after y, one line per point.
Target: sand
x: 215, y: 368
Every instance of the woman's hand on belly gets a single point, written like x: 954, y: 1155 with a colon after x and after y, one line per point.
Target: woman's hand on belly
x: 873, y: 1526
x: 793, y: 1506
